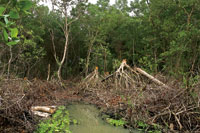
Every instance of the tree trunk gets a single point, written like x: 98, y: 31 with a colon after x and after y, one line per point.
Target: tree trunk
x: 49, y: 71
x: 88, y: 58
x: 89, y: 52
x: 59, y: 73
x: 65, y: 49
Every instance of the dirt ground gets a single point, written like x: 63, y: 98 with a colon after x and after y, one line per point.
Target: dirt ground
x: 153, y: 106
x: 19, y: 95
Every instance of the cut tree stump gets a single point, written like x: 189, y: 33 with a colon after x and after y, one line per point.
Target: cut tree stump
x: 123, y: 76
x: 136, y: 70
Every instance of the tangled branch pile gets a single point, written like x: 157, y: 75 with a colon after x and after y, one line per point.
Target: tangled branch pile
x: 150, y: 100
x: 17, y: 96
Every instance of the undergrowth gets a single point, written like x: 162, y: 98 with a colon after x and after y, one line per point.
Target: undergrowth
x: 59, y: 122
x: 142, y: 126
x: 116, y: 122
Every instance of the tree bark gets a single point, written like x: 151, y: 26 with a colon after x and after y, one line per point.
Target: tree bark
x: 49, y: 71
x: 65, y: 48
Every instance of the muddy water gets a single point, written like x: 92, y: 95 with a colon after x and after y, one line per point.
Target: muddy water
x: 89, y: 122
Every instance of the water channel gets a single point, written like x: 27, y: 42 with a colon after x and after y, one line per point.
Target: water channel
x: 90, y: 122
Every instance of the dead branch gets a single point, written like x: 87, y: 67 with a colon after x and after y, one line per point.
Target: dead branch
x: 152, y: 78
x: 94, y: 75
x: 121, y: 72
x: 178, y: 121
x: 92, y: 79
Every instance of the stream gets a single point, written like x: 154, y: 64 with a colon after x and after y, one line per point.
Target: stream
x: 90, y: 122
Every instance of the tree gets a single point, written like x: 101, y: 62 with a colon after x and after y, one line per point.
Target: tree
x: 64, y: 7
x: 11, y: 11
x: 171, y: 33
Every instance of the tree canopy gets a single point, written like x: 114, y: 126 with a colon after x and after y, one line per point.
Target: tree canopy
x: 159, y: 36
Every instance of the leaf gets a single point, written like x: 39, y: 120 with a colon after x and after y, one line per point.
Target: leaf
x: 14, y: 2
x: 10, y: 23
x: 6, y: 19
x: 182, y: 34
x: 25, y: 5
x: 2, y: 24
x: 14, y: 14
x: 2, y: 9
x: 14, y: 32
x: 5, y: 35
x: 13, y: 43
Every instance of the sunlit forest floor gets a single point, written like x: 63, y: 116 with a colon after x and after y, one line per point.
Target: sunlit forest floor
x: 174, y: 109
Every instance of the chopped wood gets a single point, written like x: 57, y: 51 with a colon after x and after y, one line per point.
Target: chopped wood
x: 41, y: 114
x: 43, y: 110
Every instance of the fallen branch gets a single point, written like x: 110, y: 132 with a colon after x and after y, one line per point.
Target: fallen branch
x: 152, y: 78
x: 178, y: 121
x: 120, y: 71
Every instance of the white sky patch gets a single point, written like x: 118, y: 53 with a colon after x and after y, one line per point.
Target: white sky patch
x: 48, y: 3
x: 95, y: 1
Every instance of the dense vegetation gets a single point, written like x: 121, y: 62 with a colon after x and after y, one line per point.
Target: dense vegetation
x: 159, y: 36
x: 74, y: 37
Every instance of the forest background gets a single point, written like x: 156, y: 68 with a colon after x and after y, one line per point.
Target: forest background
x: 159, y: 36
x: 75, y: 37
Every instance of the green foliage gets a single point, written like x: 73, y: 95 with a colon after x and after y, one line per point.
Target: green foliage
x: 116, y: 63
x: 24, y: 4
x: 14, y: 14
x: 116, y: 122
x: 59, y: 122
x: 5, y: 35
x: 11, y: 11
x: 148, y: 128
x: 2, y: 9
x: 156, y: 35
x: 14, y: 32
x: 148, y: 64
x: 142, y: 125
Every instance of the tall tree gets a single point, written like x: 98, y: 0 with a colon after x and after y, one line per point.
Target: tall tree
x: 64, y: 7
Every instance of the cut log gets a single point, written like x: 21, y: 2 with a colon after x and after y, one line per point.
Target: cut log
x: 152, y: 78
x: 41, y: 114
x: 46, y: 109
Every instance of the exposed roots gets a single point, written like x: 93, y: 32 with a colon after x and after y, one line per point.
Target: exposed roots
x: 91, y: 81
x: 124, y: 77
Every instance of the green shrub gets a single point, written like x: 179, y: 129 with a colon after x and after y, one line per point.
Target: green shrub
x: 116, y: 122
x: 59, y: 122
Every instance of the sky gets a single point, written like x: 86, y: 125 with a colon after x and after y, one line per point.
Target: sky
x: 91, y: 1
x: 95, y: 1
